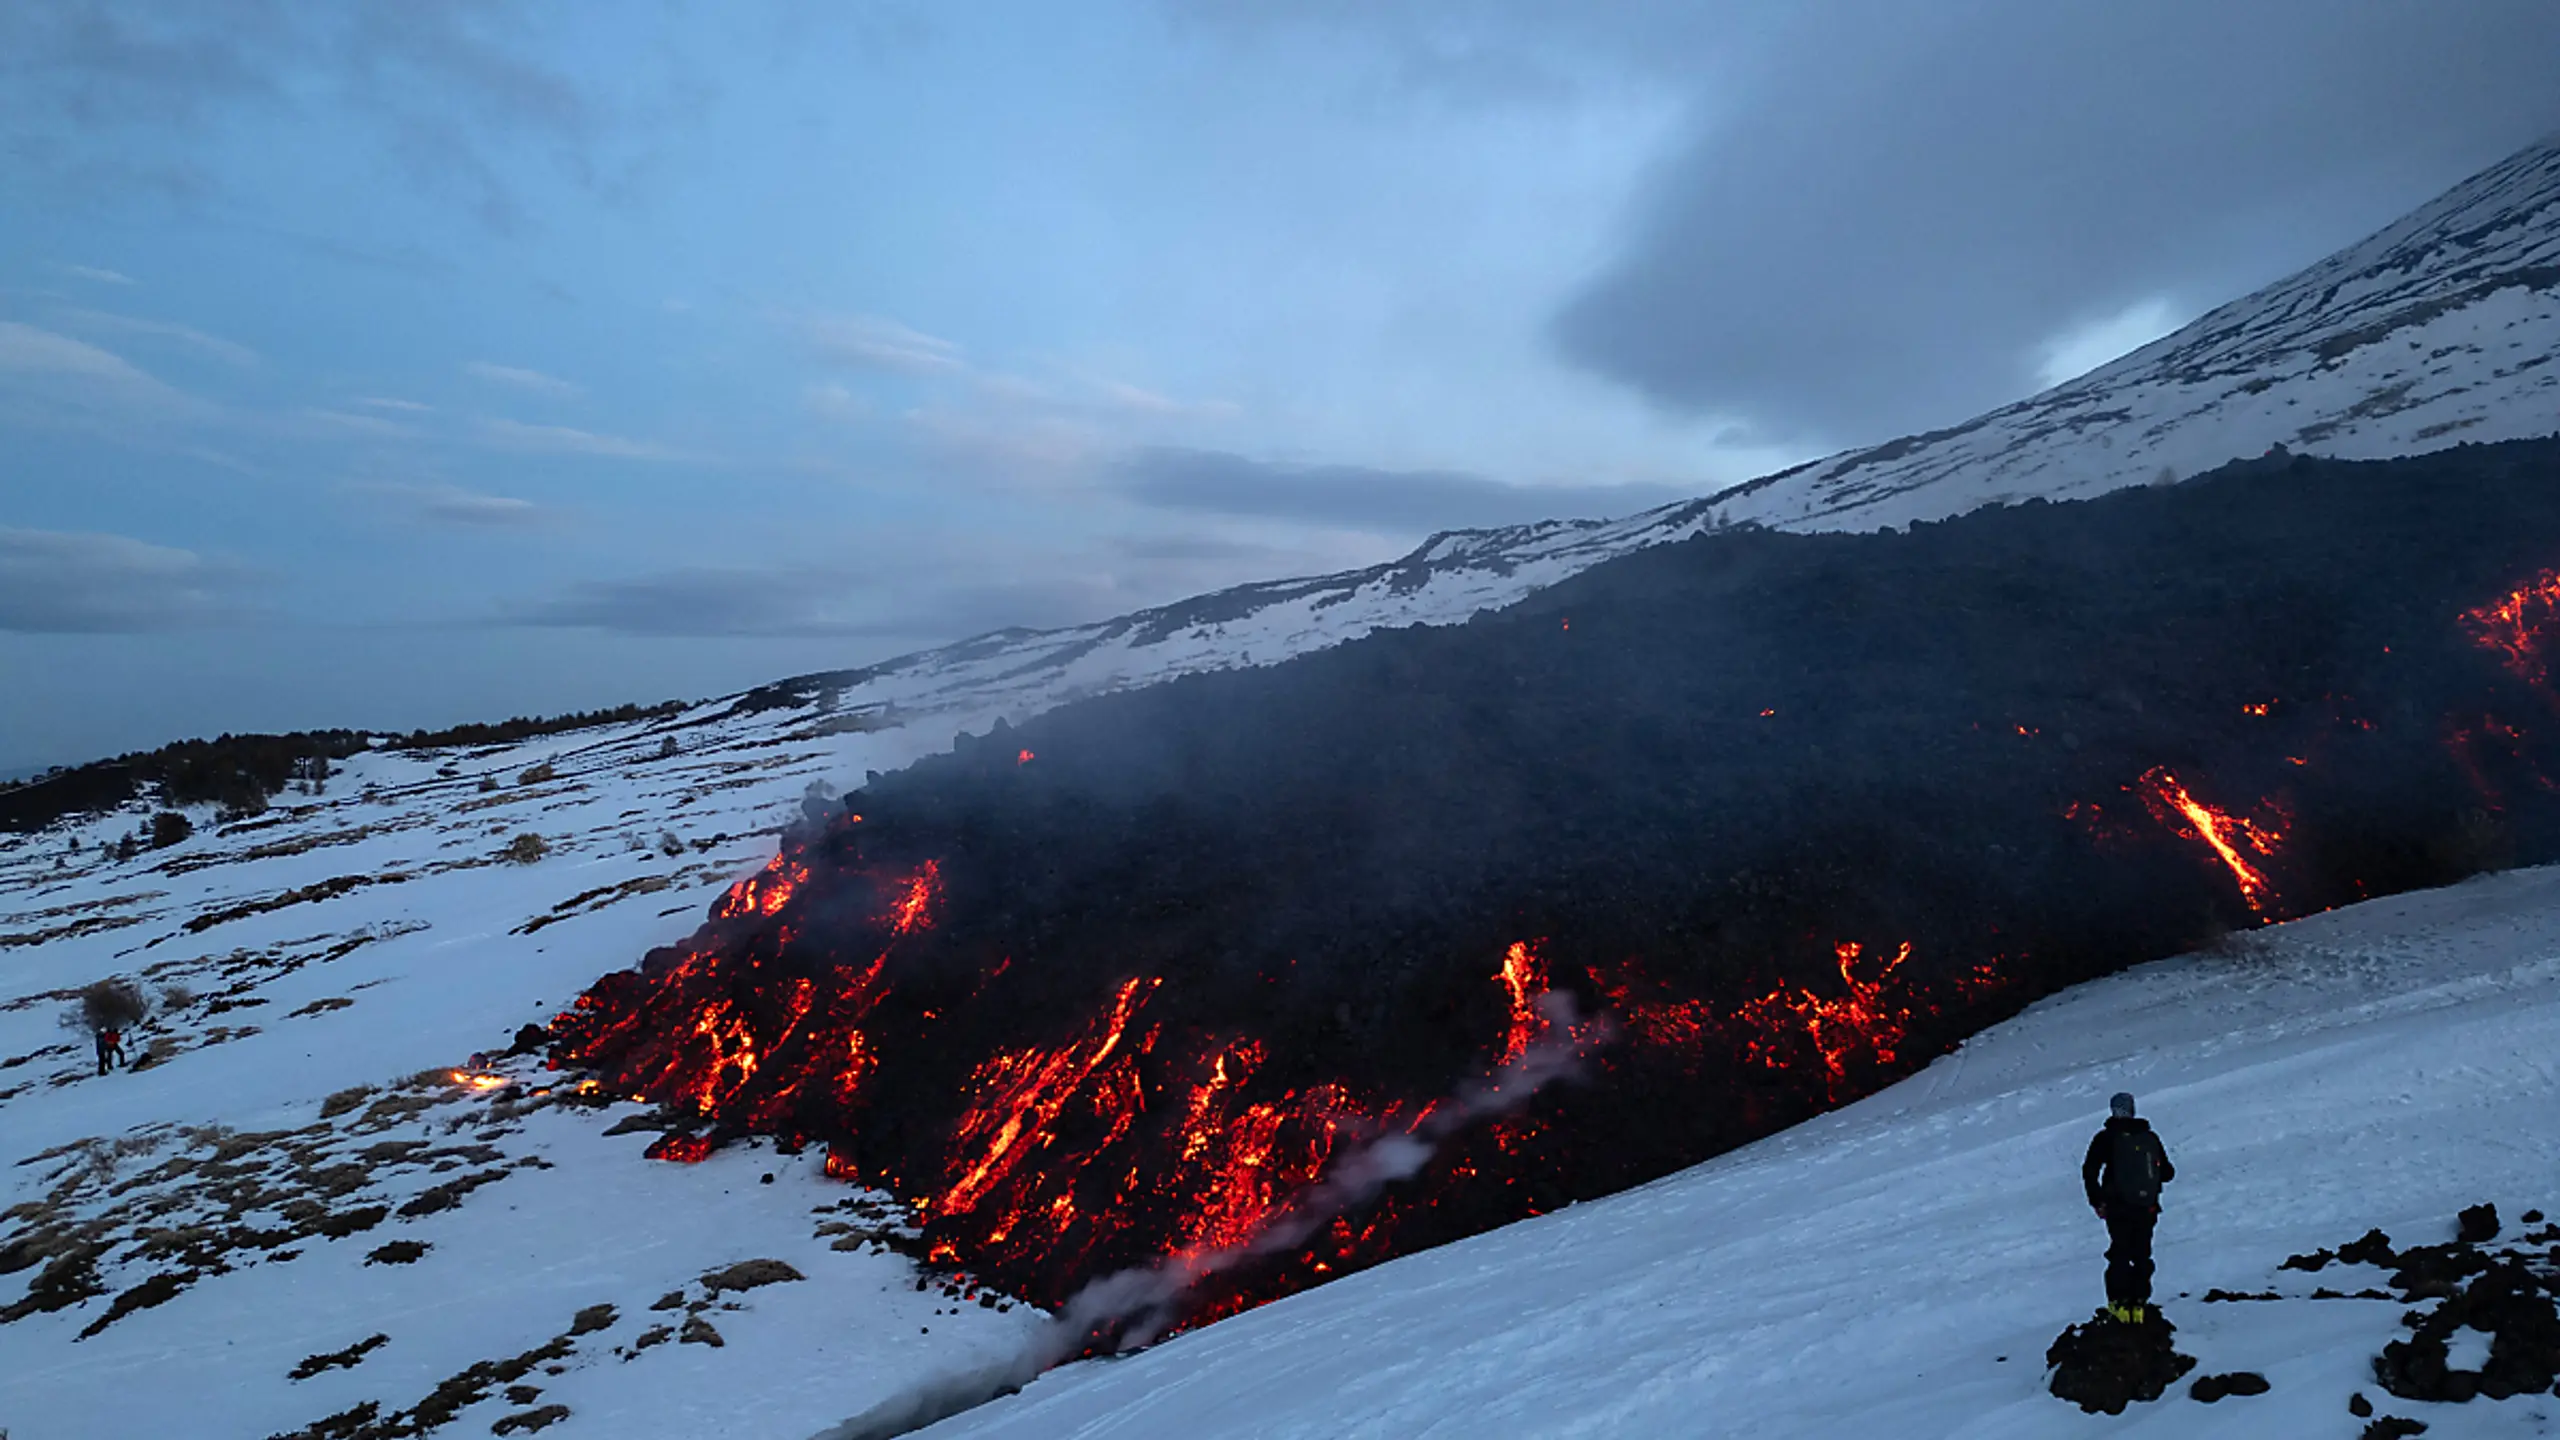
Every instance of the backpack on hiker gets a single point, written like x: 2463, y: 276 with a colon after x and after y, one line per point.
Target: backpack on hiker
x: 2133, y: 1169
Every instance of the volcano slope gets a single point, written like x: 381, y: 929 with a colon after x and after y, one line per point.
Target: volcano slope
x: 1753, y: 824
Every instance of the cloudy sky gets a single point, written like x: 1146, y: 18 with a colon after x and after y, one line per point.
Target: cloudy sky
x: 390, y: 365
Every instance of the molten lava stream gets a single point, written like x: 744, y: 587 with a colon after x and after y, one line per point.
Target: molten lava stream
x: 2219, y: 831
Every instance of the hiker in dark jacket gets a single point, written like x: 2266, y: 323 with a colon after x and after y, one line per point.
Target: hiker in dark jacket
x: 110, y: 1049
x: 2123, y: 1175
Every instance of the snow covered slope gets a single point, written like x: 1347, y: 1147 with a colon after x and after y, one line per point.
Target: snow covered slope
x: 2442, y: 328
x: 300, y: 1169
x: 1898, y: 1267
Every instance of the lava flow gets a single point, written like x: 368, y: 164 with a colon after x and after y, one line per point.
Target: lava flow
x: 2518, y: 625
x: 826, y: 1004
x: 2225, y: 834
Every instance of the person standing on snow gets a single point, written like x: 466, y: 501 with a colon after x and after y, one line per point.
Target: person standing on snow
x: 110, y: 1049
x: 2124, y: 1172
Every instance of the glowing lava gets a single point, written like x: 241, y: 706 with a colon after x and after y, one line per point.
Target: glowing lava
x: 1045, y: 1138
x: 2516, y: 624
x: 913, y: 909
x: 1861, y: 1025
x: 2225, y: 834
x: 1020, y: 1097
x: 1524, y: 978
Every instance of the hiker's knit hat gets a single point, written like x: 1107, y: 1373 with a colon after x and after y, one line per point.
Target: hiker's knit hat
x: 2121, y: 1106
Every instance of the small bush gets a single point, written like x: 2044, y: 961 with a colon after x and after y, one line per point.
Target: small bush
x: 668, y: 749
x: 537, y: 774
x: 669, y: 845
x: 526, y: 848
x: 175, y: 996
x: 488, y: 783
x: 114, y: 1003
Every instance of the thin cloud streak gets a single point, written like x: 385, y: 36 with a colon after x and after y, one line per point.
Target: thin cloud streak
x: 870, y: 343
x: 563, y: 440
x: 187, y: 337
x: 456, y: 506
x: 518, y: 378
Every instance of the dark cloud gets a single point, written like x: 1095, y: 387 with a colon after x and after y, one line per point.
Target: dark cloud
x: 1504, y: 53
x: 1892, y: 206
x: 58, y: 582
x: 1358, y: 497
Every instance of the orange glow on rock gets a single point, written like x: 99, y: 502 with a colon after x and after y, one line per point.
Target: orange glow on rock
x: 2219, y: 831
x: 2515, y: 625
x: 681, y: 1149
x: 1860, y: 1025
x: 1524, y: 976
x: 1020, y: 1095
x: 913, y: 910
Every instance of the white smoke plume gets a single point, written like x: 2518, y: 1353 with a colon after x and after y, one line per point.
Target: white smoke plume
x: 1137, y: 1305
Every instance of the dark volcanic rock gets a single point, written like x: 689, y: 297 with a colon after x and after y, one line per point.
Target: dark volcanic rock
x: 2238, y: 1382
x: 2477, y: 1225
x: 2508, y: 1302
x: 2105, y: 1365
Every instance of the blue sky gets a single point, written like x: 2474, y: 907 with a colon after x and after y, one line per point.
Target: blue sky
x: 397, y: 365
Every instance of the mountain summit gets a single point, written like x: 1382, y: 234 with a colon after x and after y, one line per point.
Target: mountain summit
x: 2436, y: 330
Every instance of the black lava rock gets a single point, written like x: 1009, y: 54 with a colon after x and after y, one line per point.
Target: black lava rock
x: 2237, y: 1382
x: 2506, y: 1301
x: 2477, y: 1225
x: 2105, y: 1365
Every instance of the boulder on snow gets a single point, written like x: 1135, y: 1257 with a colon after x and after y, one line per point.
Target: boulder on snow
x: 2106, y: 1364
x: 2211, y: 1388
x: 2477, y: 1225
x: 2507, y: 1301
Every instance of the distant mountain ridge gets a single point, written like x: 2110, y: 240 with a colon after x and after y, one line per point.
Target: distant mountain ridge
x: 2436, y: 330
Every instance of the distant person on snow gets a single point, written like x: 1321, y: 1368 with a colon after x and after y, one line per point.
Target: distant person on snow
x: 2123, y: 1175
x: 110, y: 1049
